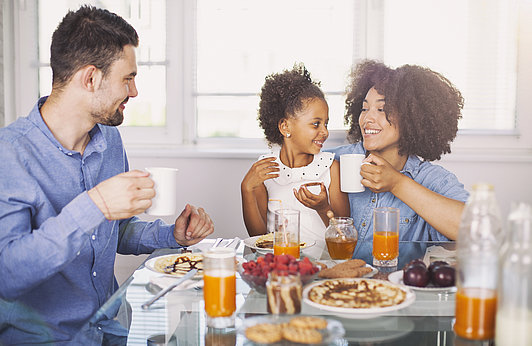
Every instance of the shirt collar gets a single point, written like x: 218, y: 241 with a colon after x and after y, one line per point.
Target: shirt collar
x: 412, y: 166
x: 97, y: 142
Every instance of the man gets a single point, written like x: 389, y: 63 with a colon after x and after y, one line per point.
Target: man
x: 67, y: 198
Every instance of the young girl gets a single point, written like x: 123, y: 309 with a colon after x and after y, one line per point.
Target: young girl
x: 293, y: 114
x: 396, y: 117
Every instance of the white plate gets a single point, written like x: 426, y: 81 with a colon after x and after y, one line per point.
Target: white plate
x: 397, y: 278
x: 334, y: 329
x: 360, y: 312
x: 250, y: 242
x: 150, y: 264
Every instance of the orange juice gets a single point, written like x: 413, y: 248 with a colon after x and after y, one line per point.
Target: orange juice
x: 475, y: 313
x: 341, y: 248
x: 385, y: 245
x: 219, y: 293
x: 289, y: 249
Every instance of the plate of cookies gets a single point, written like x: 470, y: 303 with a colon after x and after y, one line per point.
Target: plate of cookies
x: 358, y: 297
x: 290, y: 330
x: 353, y: 268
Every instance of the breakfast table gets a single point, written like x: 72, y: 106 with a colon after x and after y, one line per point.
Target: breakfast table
x: 178, y: 318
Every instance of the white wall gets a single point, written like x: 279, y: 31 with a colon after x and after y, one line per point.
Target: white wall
x: 214, y: 184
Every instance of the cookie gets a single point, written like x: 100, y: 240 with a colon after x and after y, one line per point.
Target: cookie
x: 264, y: 333
x: 335, y: 273
x: 302, y: 335
x: 308, y: 322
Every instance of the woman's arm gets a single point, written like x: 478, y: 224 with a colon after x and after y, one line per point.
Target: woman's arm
x: 440, y: 212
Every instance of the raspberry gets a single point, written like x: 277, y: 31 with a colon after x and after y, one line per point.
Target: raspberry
x: 269, y: 257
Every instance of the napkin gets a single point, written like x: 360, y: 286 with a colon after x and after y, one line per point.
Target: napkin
x: 439, y: 253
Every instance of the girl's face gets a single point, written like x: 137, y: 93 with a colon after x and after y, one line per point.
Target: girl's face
x: 379, y: 135
x: 308, y: 127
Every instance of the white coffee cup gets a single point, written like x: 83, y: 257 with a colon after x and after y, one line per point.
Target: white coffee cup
x: 165, y: 200
x: 350, y: 172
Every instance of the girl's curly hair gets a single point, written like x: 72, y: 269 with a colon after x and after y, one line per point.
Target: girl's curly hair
x: 425, y: 105
x: 282, y: 95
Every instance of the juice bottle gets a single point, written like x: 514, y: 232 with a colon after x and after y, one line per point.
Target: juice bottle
x: 514, y: 299
x: 475, y: 313
x: 477, y: 258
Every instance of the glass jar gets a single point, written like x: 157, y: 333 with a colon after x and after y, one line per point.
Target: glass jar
x: 514, y: 299
x: 341, y: 238
x: 477, y: 255
x: 283, y: 293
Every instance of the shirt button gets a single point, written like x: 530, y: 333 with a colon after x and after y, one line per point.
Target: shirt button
x: 93, y: 273
x: 364, y: 224
x: 77, y: 253
x: 406, y: 220
x: 93, y: 237
x: 69, y: 154
x: 373, y: 200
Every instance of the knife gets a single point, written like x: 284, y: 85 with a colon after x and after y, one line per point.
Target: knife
x: 179, y: 281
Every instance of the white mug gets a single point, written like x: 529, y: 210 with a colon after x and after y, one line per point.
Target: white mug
x: 165, y: 200
x: 350, y: 172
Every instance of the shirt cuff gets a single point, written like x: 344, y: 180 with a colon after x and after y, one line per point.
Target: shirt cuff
x: 170, y: 239
x: 84, y: 212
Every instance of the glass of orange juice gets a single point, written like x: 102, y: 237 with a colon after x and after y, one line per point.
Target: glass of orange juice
x: 385, y: 237
x: 219, y: 290
x: 286, y: 236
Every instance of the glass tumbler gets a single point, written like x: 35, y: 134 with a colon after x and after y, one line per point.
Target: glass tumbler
x: 286, y: 236
x: 219, y: 290
x: 385, y: 237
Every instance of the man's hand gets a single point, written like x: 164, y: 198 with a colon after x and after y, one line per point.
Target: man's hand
x: 124, y: 195
x: 192, y: 226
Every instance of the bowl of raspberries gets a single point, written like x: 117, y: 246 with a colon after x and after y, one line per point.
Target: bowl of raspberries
x: 255, y: 273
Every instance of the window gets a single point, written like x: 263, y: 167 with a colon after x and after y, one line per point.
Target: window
x: 202, y: 63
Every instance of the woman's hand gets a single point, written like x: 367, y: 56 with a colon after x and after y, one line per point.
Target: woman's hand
x: 378, y: 174
x: 260, y: 171
x: 319, y: 202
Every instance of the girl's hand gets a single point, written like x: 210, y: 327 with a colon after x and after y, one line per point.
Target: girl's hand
x: 260, y: 171
x: 379, y: 175
x: 319, y: 202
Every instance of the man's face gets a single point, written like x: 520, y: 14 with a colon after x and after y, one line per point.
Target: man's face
x: 115, y: 89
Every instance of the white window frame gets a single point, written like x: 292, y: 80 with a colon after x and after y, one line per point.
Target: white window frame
x: 179, y: 137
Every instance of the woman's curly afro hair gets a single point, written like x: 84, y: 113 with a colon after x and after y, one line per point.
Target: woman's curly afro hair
x: 424, y: 105
x: 282, y: 95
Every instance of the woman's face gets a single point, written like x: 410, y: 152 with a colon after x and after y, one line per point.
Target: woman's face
x: 379, y: 136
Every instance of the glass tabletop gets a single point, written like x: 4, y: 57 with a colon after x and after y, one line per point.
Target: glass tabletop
x: 179, y: 318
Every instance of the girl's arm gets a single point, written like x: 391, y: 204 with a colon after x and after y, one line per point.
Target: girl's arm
x: 255, y: 196
x: 440, y: 212
x: 254, y: 208
x: 334, y: 200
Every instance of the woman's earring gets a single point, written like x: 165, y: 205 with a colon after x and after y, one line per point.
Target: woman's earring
x: 288, y: 135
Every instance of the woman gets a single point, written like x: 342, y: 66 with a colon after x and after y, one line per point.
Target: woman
x: 402, y: 119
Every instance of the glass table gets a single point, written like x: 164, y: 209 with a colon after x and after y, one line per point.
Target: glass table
x: 179, y: 319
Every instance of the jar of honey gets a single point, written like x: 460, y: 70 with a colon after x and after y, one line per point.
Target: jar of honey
x: 341, y: 238
x: 477, y: 257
